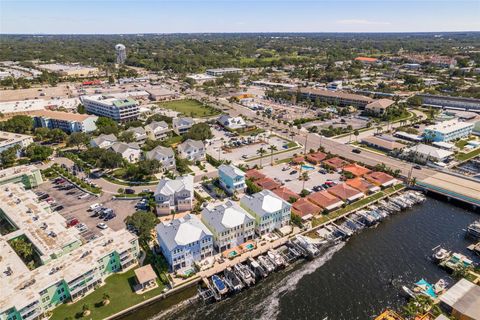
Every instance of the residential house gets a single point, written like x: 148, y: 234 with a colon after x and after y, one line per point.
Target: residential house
x: 184, y: 241
x: 462, y: 300
x: 356, y: 170
x: 316, y: 157
x: 270, y: 211
x: 305, y: 209
x: 335, y: 163
x: 362, y: 185
x: 325, y: 200
x: 267, y: 183
x: 157, y: 130
x: 103, y: 141
x: 182, y: 125
x: 286, y: 194
x: 345, y: 192
x: 192, y: 150
x: 254, y: 174
x: 174, y: 195
x: 139, y: 133
x: 230, y: 225
x: 164, y: 155
x: 381, y: 179
x: 129, y: 151
x: 231, y: 178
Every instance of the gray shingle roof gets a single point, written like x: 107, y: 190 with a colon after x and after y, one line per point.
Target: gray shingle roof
x: 225, y: 216
x: 168, y: 187
x: 182, y: 231
x: 190, y: 145
x: 160, y: 152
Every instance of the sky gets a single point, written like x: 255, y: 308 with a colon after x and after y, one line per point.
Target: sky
x: 182, y: 16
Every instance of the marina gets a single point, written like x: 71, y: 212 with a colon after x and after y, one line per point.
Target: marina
x: 399, y: 249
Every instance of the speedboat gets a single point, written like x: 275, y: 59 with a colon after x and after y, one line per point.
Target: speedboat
x: 440, y: 286
x: 232, y: 280
x: 409, y: 292
x: 219, y: 285
x: 266, y: 264
x: 440, y: 254
x: 473, y: 229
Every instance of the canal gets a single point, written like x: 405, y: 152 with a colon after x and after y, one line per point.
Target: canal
x: 354, y: 280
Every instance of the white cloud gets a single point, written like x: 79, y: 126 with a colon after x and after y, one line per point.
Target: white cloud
x: 361, y: 22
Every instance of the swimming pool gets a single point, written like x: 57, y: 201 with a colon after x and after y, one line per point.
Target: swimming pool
x: 307, y: 167
x: 233, y: 254
x: 250, y: 246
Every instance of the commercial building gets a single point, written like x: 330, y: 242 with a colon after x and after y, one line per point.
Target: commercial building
x: 184, y: 241
x: 157, y: 130
x: 462, y: 300
x: 230, y: 225
x: 68, y: 122
x: 164, y: 155
x: 121, y: 110
x: 182, y: 125
x: 192, y: 150
x: 70, y: 70
x: 426, y: 153
x: 334, y: 97
x: 10, y: 140
x: 447, y: 131
x: 382, y: 144
x: 29, y: 175
x: 162, y: 94
x: 269, y: 210
x: 68, y: 270
x: 232, y: 123
x: 174, y: 195
x: 222, y: 71
x: 231, y: 178
x: 450, y: 102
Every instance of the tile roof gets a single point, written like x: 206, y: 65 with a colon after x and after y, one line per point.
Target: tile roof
x: 267, y: 183
x: 335, y: 162
x: 303, y: 207
x: 285, y: 193
x: 361, y: 185
x: 356, y: 170
x: 316, y: 157
x: 379, y: 178
x: 254, y: 174
x: 344, y: 192
x: 324, y: 199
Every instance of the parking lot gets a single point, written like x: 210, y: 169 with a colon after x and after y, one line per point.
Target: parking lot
x: 244, y: 151
x: 78, y: 208
x: 355, y: 122
x: 292, y: 181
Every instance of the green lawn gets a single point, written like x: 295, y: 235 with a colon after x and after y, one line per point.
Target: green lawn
x: 190, y: 108
x: 118, y: 287
x: 460, y: 144
x: 173, y: 140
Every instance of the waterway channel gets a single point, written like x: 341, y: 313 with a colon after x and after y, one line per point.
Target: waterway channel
x: 353, y: 280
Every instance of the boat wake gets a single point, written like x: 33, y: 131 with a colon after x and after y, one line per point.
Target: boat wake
x: 270, y: 306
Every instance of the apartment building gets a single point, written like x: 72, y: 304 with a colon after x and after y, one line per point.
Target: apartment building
x: 68, y: 122
x: 450, y: 102
x: 29, y: 175
x: 447, y: 131
x: 269, y: 210
x: 121, y: 110
x: 222, y: 71
x: 230, y: 225
x: 10, y: 140
x: 184, y: 241
x: 174, y: 195
x: 339, y: 98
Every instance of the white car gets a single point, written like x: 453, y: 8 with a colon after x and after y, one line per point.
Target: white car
x: 81, y: 227
x: 102, y: 226
x: 95, y: 206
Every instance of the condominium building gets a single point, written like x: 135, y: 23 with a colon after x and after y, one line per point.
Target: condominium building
x: 269, y: 210
x: 192, y: 150
x: 230, y: 225
x: 231, y: 178
x: 184, y: 241
x: 174, y: 195
x: 68, y: 122
x: 447, y: 131
x: 222, y: 71
x: 29, y: 175
x: 121, y: 110
x: 450, y: 102
x: 65, y: 270
x: 9, y: 140
x: 334, y: 97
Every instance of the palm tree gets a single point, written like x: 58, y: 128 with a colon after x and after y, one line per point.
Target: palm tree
x: 356, y: 133
x: 272, y: 148
x: 304, y: 178
x: 261, y: 152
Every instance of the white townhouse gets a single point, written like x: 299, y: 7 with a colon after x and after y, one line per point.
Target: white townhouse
x: 164, y: 155
x: 139, y: 133
x: 174, y: 195
x: 182, y: 125
x: 157, y: 130
x: 230, y: 225
x: 269, y: 210
x: 129, y: 151
x: 103, y: 141
x: 192, y: 150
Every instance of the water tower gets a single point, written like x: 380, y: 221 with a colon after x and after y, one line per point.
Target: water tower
x: 121, y: 53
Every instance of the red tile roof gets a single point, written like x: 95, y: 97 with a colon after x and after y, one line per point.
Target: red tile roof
x: 379, y: 178
x: 360, y: 184
x: 254, y: 174
x: 366, y: 59
x: 323, y: 199
x: 303, y: 207
x: 316, y: 157
x: 267, y: 183
x: 336, y: 162
x: 298, y: 159
x: 343, y: 191
x: 285, y: 193
x: 356, y: 170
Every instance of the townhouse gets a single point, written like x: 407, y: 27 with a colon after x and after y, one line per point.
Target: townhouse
x: 231, y: 178
x: 192, y: 150
x: 174, y: 195
x: 164, y: 155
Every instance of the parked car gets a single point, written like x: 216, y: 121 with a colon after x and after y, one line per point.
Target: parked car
x: 102, y: 226
x: 95, y: 206
x: 72, y: 222
x: 293, y: 171
x: 418, y: 167
x: 58, y: 208
x: 81, y: 227
x: 356, y: 150
x: 129, y: 191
